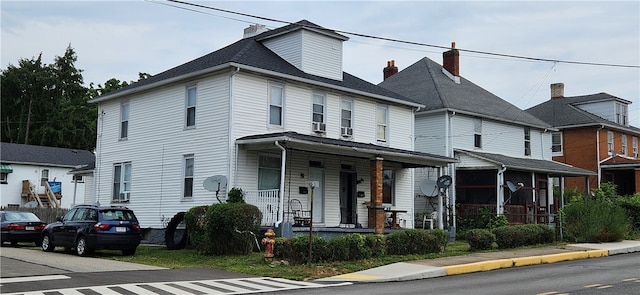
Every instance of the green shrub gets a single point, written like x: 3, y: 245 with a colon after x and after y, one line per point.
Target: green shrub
x: 195, y: 222
x: 631, y: 205
x: 229, y: 228
x: 377, y: 245
x: 523, y: 235
x: 348, y: 247
x: 298, y: 249
x: 480, y: 239
x: 595, y: 220
x: 235, y: 195
x: 414, y: 241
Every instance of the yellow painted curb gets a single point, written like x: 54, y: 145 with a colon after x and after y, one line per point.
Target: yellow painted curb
x: 522, y: 261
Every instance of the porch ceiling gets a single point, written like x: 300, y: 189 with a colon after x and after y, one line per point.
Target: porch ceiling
x: 317, y: 144
x: 527, y: 164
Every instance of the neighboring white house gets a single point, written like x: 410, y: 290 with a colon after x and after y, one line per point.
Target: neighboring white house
x: 27, y: 169
x: 499, y: 146
x: 267, y: 114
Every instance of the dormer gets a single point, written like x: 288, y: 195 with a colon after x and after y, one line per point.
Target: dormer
x: 309, y: 47
x: 603, y: 105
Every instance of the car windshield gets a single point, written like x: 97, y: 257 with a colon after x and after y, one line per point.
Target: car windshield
x: 20, y: 216
x: 115, y: 214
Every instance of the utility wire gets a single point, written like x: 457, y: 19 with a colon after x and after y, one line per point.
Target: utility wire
x: 412, y: 42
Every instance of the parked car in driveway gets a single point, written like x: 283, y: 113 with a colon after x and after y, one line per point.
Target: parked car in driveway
x: 87, y: 228
x: 21, y: 227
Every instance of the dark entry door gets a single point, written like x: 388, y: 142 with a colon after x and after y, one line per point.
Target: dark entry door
x: 348, y: 208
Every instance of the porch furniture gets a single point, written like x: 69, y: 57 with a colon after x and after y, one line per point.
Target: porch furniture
x: 394, y: 216
x: 431, y: 218
x: 300, y: 217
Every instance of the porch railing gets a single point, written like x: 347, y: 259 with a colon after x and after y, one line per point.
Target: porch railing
x: 516, y: 214
x: 267, y: 202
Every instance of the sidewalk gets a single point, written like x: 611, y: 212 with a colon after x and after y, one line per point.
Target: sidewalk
x: 439, y: 267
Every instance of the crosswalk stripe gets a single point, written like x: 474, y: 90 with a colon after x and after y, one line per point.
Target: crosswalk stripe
x: 32, y: 279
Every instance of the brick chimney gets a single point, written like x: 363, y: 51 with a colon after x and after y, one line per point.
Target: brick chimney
x: 557, y: 90
x: 451, y: 60
x: 390, y: 70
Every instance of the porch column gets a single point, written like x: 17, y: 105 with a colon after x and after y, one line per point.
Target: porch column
x: 375, y: 217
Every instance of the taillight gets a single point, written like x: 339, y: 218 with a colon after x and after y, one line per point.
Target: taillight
x: 14, y: 226
x: 101, y: 226
x: 135, y: 227
x: 40, y: 227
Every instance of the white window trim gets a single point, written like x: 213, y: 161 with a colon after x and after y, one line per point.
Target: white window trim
x: 273, y: 84
x: 342, y: 118
x: 477, y: 132
x: 124, y: 106
x: 122, y: 184
x: 187, y: 107
x: 527, y: 141
x: 560, y: 152
x: 185, y: 176
x: 324, y: 107
x: 611, y: 148
x: 635, y: 146
x: 384, y: 140
x: 624, y: 145
x: 393, y: 186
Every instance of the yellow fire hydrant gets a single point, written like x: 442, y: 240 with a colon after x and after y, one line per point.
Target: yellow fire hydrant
x: 268, y: 241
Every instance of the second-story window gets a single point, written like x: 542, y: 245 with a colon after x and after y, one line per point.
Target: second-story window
x: 190, y: 113
x: 477, y: 132
x: 44, y: 177
x: 556, y: 142
x: 188, y: 176
x: 610, y: 146
x: 382, y: 123
x: 124, y: 120
x: 634, y: 146
x: 527, y: 141
x: 624, y: 145
x: 318, y: 113
x: 276, y: 103
x: 346, y: 117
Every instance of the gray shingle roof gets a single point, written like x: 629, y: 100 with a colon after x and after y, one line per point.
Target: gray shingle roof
x: 425, y: 82
x: 527, y: 164
x: 251, y: 52
x: 13, y: 153
x: 562, y: 112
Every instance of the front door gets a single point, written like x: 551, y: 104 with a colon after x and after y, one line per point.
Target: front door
x: 317, y: 174
x: 348, y: 198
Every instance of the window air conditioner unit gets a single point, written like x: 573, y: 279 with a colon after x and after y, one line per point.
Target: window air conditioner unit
x: 319, y: 127
x: 347, y: 131
x: 124, y: 197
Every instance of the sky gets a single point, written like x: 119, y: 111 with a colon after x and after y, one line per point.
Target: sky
x: 119, y: 39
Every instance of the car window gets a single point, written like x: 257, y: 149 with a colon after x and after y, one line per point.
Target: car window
x: 69, y: 215
x: 80, y: 214
x: 117, y: 215
x: 92, y: 215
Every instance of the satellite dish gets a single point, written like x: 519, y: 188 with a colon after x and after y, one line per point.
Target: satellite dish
x: 512, y: 187
x: 428, y: 188
x: 31, y: 204
x: 444, y: 181
x: 215, y: 183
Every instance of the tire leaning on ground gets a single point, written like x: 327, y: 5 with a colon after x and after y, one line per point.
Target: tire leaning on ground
x: 170, y: 232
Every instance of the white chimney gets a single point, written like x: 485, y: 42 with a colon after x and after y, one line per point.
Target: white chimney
x: 253, y: 30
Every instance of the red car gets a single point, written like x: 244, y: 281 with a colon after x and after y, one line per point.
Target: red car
x: 21, y: 227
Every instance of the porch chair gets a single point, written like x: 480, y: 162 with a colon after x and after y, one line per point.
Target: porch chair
x: 431, y: 219
x: 300, y: 217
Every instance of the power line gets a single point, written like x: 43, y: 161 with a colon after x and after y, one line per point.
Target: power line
x: 413, y: 42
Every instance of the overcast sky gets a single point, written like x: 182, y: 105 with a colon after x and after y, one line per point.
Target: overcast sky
x: 119, y: 39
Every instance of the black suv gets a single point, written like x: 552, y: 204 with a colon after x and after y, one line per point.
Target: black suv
x: 87, y: 228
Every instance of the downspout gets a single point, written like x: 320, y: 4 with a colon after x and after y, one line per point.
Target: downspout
x: 587, y: 189
x: 452, y: 170
x: 230, y: 134
x: 500, y: 191
x: 283, y: 166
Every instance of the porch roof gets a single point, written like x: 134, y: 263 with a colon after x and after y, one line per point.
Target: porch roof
x: 310, y: 143
x: 620, y: 162
x: 527, y: 164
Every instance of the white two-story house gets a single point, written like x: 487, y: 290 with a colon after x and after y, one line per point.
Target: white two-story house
x: 504, y: 153
x: 270, y: 114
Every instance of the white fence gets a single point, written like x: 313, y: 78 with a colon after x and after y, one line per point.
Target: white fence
x: 267, y: 202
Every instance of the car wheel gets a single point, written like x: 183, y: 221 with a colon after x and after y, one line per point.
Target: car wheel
x: 82, y: 249
x: 47, y: 244
x: 129, y: 252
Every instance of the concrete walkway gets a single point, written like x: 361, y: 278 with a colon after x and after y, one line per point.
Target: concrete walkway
x: 430, y: 268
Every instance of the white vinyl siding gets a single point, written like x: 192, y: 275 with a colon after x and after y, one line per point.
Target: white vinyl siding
x: 430, y: 135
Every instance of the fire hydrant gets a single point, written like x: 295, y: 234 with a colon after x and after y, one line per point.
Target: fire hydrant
x: 268, y: 241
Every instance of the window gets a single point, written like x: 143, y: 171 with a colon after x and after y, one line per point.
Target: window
x: 44, y: 177
x: 624, y: 145
x: 346, y: 113
x: 318, y: 108
x: 556, y: 142
x: 268, y: 172
x: 621, y: 114
x: 276, y: 101
x: 477, y: 132
x: 527, y: 141
x: 610, y: 145
x: 382, y: 123
x: 124, y: 120
x: 635, y: 147
x: 188, y: 176
x: 121, y: 182
x: 388, y: 186
x: 191, y: 107
x: 4, y: 177
x: 77, y: 179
